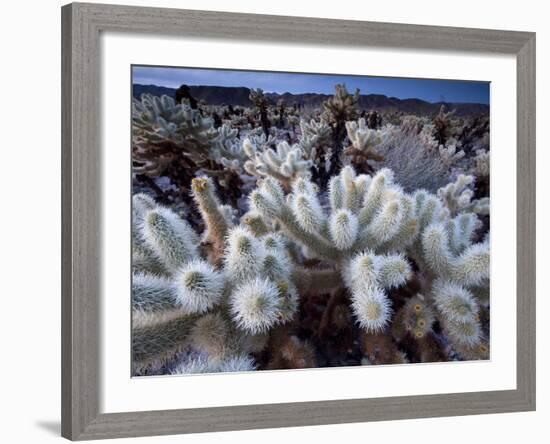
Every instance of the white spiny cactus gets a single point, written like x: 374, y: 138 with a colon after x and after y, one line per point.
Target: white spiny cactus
x: 198, y: 286
x: 144, y: 257
x: 361, y: 271
x: 210, y: 335
x: 458, y: 196
x: 157, y: 120
x: 227, y: 149
x: 368, y: 275
x: 315, y: 135
x: 455, y: 302
x: 212, y: 296
x: 244, y: 257
x: 363, y: 139
x: 450, y: 152
x: 374, y: 195
x: 152, y: 293
x: 286, y: 163
x: 471, y: 267
x: 372, y: 308
x: 365, y: 213
x: 232, y: 363
x: 377, y: 214
x: 447, y: 248
x: 276, y: 264
x: 344, y: 227
x: 170, y: 237
x: 393, y: 270
x: 196, y: 365
x: 141, y: 203
x: 190, y: 289
x: 482, y: 163
x: 155, y: 344
x: 459, y: 311
x: 255, y: 305
x: 308, y: 212
x: 387, y: 221
x: 217, y: 217
x: 237, y: 363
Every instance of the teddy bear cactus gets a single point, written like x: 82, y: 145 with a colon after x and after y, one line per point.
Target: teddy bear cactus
x: 211, y: 302
x: 184, y: 286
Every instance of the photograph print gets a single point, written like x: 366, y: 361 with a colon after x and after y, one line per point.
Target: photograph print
x: 299, y: 220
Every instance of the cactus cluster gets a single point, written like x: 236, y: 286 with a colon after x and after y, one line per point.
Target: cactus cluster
x: 288, y: 239
x: 202, y: 301
x: 285, y: 163
x: 212, y: 298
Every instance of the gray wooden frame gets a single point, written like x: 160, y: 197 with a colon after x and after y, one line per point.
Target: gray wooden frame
x: 81, y: 233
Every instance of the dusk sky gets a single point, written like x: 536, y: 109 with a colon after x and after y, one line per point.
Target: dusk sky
x: 403, y: 88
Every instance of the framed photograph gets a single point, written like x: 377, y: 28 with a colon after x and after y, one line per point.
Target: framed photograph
x: 278, y: 221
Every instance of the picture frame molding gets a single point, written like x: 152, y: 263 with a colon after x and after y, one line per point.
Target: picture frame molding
x: 82, y: 24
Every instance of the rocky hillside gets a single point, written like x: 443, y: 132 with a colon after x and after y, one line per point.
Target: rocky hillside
x: 219, y: 95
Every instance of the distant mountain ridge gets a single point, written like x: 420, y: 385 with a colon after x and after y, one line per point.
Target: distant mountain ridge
x: 219, y: 95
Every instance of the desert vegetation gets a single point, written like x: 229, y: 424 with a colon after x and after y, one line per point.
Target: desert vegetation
x: 280, y: 236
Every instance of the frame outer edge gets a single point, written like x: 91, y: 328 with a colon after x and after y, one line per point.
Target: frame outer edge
x: 262, y: 27
x: 526, y: 221
x: 81, y: 239
x: 66, y: 223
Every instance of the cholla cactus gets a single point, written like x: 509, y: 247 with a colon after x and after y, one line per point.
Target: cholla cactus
x: 457, y: 264
x: 481, y: 169
x: 236, y: 363
x: 166, y: 132
x: 443, y: 126
x: 413, y: 124
x: 373, y: 119
x: 365, y: 213
x: 416, y: 318
x: 458, y: 197
x: 459, y: 314
x: 316, y: 144
x: 449, y: 255
x: 363, y: 142
x: 449, y: 152
x: 232, y: 282
x: 169, y: 237
x: 261, y: 102
x: 172, y: 138
x: 372, y: 229
x: 368, y: 275
x: 366, y: 244
x: 285, y: 164
x: 339, y: 109
x: 256, y: 305
x: 227, y: 149
x: 199, y: 287
x: 482, y: 163
x: 315, y: 139
x: 342, y: 106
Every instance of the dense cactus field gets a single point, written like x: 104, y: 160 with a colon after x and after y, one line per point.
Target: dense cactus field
x: 274, y: 236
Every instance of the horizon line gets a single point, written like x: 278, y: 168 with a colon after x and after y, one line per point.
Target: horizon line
x: 314, y: 92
